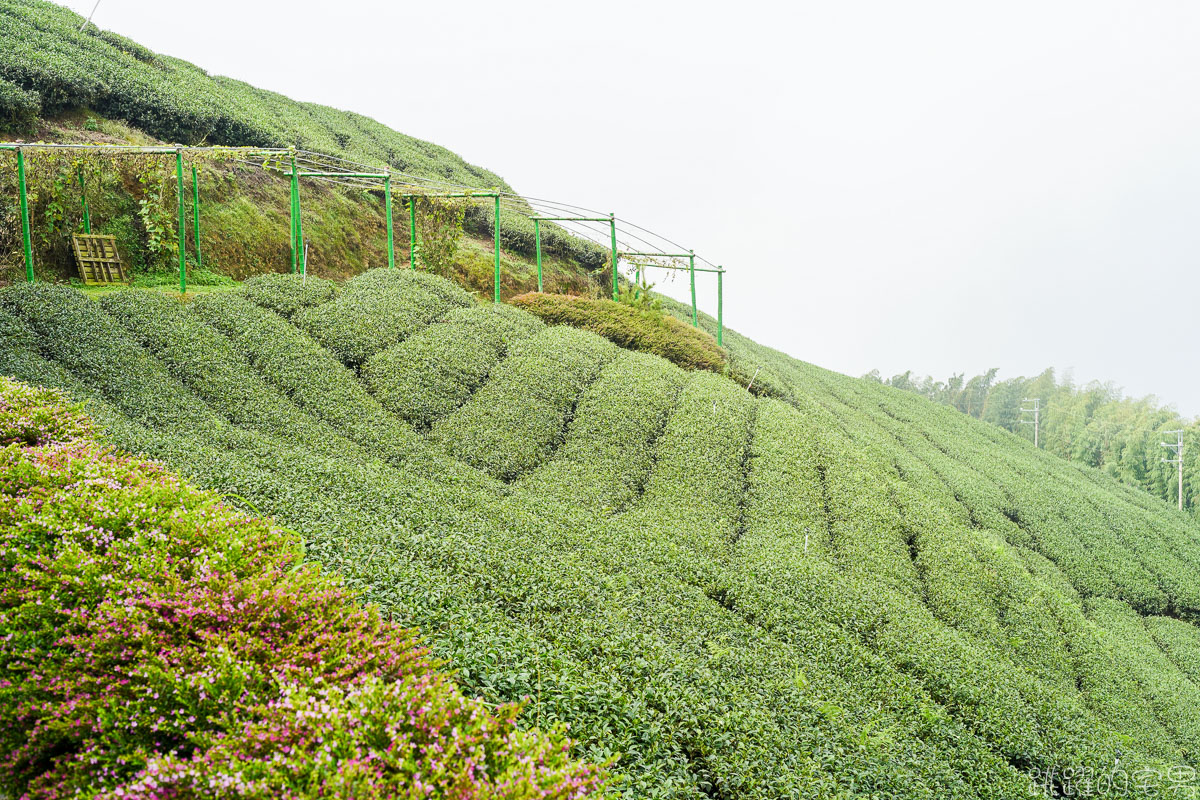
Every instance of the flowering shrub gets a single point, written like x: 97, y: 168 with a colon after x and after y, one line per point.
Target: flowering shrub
x: 156, y: 643
x: 31, y: 414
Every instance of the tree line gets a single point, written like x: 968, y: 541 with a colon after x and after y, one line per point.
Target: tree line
x: 1095, y: 424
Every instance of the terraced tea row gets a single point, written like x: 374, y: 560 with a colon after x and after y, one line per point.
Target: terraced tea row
x: 842, y: 590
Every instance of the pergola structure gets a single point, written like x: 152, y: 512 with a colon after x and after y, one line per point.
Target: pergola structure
x: 298, y: 165
x: 692, y: 270
x: 611, y: 219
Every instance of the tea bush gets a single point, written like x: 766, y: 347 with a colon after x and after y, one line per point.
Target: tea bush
x: 165, y: 644
x: 377, y: 309
x: 515, y: 422
x: 19, y: 108
x: 74, y: 331
x: 212, y: 367
x: 309, y: 375
x: 608, y: 452
x: 285, y: 294
x: 634, y: 328
x: 433, y: 372
x: 841, y: 591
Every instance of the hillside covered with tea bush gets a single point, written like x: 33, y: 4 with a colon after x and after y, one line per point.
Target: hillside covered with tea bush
x: 832, y: 589
x: 61, y: 81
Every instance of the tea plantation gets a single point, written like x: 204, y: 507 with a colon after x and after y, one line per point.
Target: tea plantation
x: 832, y: 589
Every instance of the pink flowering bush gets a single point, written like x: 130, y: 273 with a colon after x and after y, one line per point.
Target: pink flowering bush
x: 31, y: 414
x: 155, y: 643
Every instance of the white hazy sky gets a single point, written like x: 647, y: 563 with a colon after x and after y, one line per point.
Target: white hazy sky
x: 936, y: 186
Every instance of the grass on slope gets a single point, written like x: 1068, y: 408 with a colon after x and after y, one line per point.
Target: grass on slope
x: 160, y: 643
x: 839, y: 590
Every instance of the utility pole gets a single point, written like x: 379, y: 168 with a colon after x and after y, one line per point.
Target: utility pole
x: 1177, y: 447
x: 1037, y: 418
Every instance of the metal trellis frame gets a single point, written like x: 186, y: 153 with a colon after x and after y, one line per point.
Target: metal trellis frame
x: 412, y: 229
x: 692, y: 269
x: 611, y: 219
x: 296, y: 164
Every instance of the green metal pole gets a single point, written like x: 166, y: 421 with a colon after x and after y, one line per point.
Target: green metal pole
x: 303, y: 256
x: 612, y: 229
x: 196, y: 216
x: 496, y: 231
x: 182, y: 221
x: 87, y: 217
x: 387, y: 201
x: 22, y: 190
x: 412, y: 232
x: 295, y: 250
x: 537, y: 236
x: 637, y: 282
x: 692, y: 272
x: 721, y: 308
x: 295, y: 192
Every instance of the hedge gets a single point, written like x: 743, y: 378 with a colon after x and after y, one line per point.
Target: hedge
x: 212, y: 367
x: 434, y: 371
x: 286, y: 294
x: 19, y: 108
x: 76, y: 333
x: 377, y: 309
x: 514, y: 423
x: 630, y: 327
x: 307, y: 374
x: 608, y: 453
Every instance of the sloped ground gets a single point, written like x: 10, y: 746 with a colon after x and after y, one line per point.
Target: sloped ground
x: 842, y: 589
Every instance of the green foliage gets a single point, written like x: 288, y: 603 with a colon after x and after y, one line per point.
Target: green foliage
x: 287, y: 294
x: 846, y: 590
x: 76, y: 333
x: 633, y: 327
x: 517, y: 420
x: 377, y: 309
x: 310, y: 376
x: 607, y: 456
x: 439, y: 228
x: 19, y: 108
x: 211, y: 366
x: 433, y: 372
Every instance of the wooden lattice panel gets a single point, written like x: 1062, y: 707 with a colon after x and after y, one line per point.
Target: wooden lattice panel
x: 97, y: 258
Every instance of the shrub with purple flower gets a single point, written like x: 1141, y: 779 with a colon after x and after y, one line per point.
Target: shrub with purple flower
x: 155, y: 643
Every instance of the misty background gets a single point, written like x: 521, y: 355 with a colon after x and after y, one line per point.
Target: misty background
x: 934, y: 186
